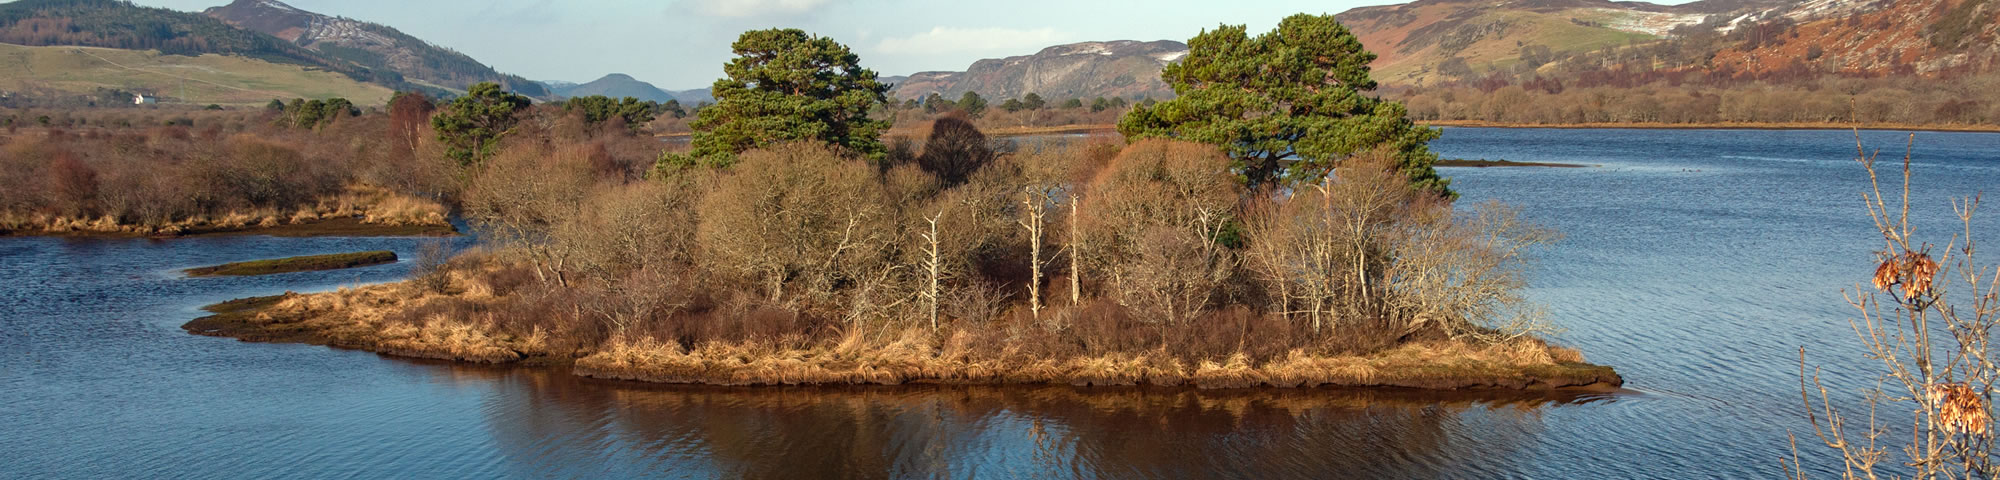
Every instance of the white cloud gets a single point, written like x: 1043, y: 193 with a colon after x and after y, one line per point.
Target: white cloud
x: 751, y: 8
x: 941, y: 40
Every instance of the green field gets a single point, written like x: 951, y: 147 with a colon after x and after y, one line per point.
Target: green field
x: 207, y: 79
x: 1551, y: 29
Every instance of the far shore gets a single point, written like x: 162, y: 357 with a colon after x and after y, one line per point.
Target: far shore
x: 332, y: 227
x: 1113, y: 129
x: 1722, y: 126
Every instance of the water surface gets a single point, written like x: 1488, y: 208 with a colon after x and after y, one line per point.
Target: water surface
x: 1696, y: 262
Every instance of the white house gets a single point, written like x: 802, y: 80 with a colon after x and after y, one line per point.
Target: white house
x: 143, y: 99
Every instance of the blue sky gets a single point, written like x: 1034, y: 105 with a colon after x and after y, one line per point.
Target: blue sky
x: 681, y: 44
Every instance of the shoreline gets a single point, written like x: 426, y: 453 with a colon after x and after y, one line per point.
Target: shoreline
x: 1003, y: 132
x: 331, y: 227
x: 319, y: 319
x: 1720, y: 126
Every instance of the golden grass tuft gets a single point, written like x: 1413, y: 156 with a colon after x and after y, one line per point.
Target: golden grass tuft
x: 375, y: 318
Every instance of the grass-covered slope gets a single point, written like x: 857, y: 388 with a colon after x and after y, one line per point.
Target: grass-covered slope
x: 204, y: 79
x: 371, y: 45
x: 120, y: 25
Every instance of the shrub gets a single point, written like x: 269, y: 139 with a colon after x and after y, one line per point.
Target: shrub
x: 798, y: 220
x: 1155, y: 224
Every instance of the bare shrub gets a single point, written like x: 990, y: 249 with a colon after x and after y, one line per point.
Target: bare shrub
x: 428, y: 271
x: 1463, y: 274
x: 72, y: 185
x: 624, y: 228
x: 1363, y: 252
x: 977, y: 302
x: 1162, y: 195
x: 1928, y: 320
x: 522, y: 195
x: 800, y: 221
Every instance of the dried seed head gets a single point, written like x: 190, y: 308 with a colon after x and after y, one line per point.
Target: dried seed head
x: 1921, y: 271
x: 1960, y: 409
x: 1885, y: 275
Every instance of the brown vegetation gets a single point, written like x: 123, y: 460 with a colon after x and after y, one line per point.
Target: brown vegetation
x: 1089, y: 263
x: 159, y: 171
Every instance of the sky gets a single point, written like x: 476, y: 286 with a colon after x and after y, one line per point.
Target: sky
x: 682, y: 44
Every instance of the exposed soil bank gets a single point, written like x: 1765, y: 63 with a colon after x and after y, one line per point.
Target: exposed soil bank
x: 305, y: 263
x: 367, y: 319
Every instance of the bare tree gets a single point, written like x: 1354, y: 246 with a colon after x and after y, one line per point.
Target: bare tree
x: 1933, y: 340
x: 931, y: 266
x: 1157, y: 220
x: 1034, y: 205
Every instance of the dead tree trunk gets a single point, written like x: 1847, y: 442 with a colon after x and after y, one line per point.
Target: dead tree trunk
x: 1075, y: 250
x: 1035, y: 210
x: 931, y: 293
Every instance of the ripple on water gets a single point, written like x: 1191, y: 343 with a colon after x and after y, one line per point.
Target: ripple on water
x: 1697, y: 262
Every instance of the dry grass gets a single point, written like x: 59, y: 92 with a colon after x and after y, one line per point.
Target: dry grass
x: 910, y: 359
x: 375, y: 207
x: 482, y: 316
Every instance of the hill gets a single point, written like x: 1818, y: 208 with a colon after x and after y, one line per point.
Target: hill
x: 1431, y: 42
x: 121, y: 25
x: 113, y: 75
x: 1079, y: 70
x: 371, y: 45
x: 616, y: 85
x: 1922, y: 37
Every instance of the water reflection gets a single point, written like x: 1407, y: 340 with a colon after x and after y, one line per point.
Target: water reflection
x: 548, y: 423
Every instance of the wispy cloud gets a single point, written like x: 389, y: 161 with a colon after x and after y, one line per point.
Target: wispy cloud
x: 943, y: 40
x: 752, y: 8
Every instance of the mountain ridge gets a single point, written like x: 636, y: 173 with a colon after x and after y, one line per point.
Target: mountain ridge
x: 615, y: 85
x: 1120, y: 68
x: 370, y: 44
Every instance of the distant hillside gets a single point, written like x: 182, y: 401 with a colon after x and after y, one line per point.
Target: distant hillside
x: 616, y: 85
x: 1080, y: 70
x: 111, y: 76
x: 694, y: 97
x: 371, y: 45
x: 121, y: 25
x: 1430, y: 42
x: 1888, y: 37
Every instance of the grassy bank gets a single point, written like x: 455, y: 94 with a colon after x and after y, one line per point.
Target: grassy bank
x: 461, y: 323
x: 296, y: 264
